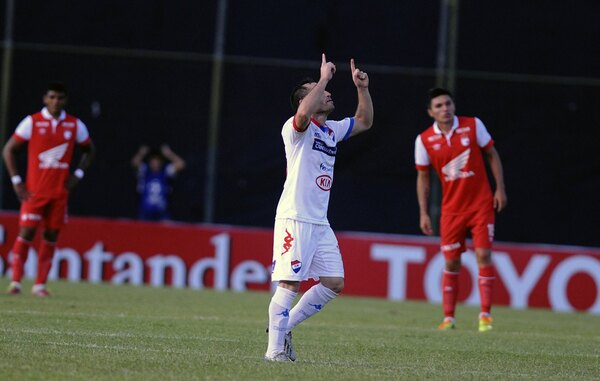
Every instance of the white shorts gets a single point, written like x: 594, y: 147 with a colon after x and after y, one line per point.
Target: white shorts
x: 302, y: 250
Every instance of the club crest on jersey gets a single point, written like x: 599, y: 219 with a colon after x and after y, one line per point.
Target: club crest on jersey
x: 320, y: 145
x: 68, y: 135
x: 42, y: 131
x: 296, y: 266
x: 465, y: 141
x: 436, y: 147
x: 324, y: 182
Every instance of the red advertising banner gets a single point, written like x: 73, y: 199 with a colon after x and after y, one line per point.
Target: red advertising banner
x: 397, y: 267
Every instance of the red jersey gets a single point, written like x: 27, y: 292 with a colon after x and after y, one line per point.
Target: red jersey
x: 50, y: 150
x: 458, y: 161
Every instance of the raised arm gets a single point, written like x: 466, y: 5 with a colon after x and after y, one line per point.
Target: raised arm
x: 363, y: 119
x: 311, y: 103
x: 176, y: 160
x: 139, y: 156
x: 500, y: 198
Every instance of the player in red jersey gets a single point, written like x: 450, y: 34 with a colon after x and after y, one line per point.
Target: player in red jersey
x: 454, y: 147
x: 50, y: 136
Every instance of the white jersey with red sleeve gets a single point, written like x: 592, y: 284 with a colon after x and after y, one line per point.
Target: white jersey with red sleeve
x: 50, y: 149
x: 458, y: 161
x: 310, y: 156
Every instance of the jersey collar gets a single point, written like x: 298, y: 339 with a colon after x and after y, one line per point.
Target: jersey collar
x: 46, y: 114
x: 323, y: 127
x: 438, y: 131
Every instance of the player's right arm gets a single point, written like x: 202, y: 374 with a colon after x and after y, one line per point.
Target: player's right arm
x: 423, y: 197
x: 312, y: 101
x: 422, y: 163
x: 9, y: 154
x: 139, y: 156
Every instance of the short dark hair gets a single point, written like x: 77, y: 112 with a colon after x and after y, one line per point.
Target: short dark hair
x: 57, y: 86
x: 299, y: 92
x: 436, y: 92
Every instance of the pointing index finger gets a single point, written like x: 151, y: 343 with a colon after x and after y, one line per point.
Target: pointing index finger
x: 352, y: 67
x: 323, y: 59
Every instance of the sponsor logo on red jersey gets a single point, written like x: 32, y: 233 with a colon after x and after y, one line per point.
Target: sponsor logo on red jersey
x: 51, y: 158
x: 454, y: 169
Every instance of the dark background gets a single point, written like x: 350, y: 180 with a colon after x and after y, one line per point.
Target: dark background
x: 529, y: 70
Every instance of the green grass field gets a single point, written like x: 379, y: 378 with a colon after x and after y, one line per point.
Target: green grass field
x: 105, y: 332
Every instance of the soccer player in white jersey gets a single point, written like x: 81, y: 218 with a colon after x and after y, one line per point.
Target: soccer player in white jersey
x: 304, y: 244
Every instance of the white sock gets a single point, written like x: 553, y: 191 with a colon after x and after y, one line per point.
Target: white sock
x: 311, y: 302
x: 279, y: 312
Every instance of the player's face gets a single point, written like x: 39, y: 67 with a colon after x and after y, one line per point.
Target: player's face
x: 442, y: 109
x: 55, y: 102
x: 326, y: 101
x: 155, y: 164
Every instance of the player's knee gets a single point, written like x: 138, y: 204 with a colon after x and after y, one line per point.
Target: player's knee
x: 27, y: 233
x: 50, y: 235
x: 453, y: 265
x: 290, y: 285
x: 334, y: 284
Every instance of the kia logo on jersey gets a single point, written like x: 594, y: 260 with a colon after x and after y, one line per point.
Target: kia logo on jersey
x: 465, y: 141
x: 324, y: 182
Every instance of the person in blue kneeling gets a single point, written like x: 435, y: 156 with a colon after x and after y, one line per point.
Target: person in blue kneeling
x: 155, y: 170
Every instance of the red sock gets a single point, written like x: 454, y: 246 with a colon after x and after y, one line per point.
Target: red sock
x: 44, y: 261
x: 20, y: 251
x: 486, y: 286
x: 449, y: 292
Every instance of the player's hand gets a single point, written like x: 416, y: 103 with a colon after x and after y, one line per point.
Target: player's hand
x: 327, y: 68
x: 500, y: 200
x: 71, y: 182
x: 360, y: 78
x: 425, y: 224
x: 21, y: 191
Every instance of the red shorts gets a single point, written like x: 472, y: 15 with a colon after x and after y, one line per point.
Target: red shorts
x: 52, y: 211
x: 454, y: 227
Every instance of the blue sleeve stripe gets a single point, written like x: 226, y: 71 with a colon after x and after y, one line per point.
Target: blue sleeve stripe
x: 349, y: 129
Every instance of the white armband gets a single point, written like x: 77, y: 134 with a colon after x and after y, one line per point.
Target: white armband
x: 16, y: 179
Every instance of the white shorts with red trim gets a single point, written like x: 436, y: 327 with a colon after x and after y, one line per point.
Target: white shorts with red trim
x: 302, y: 250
